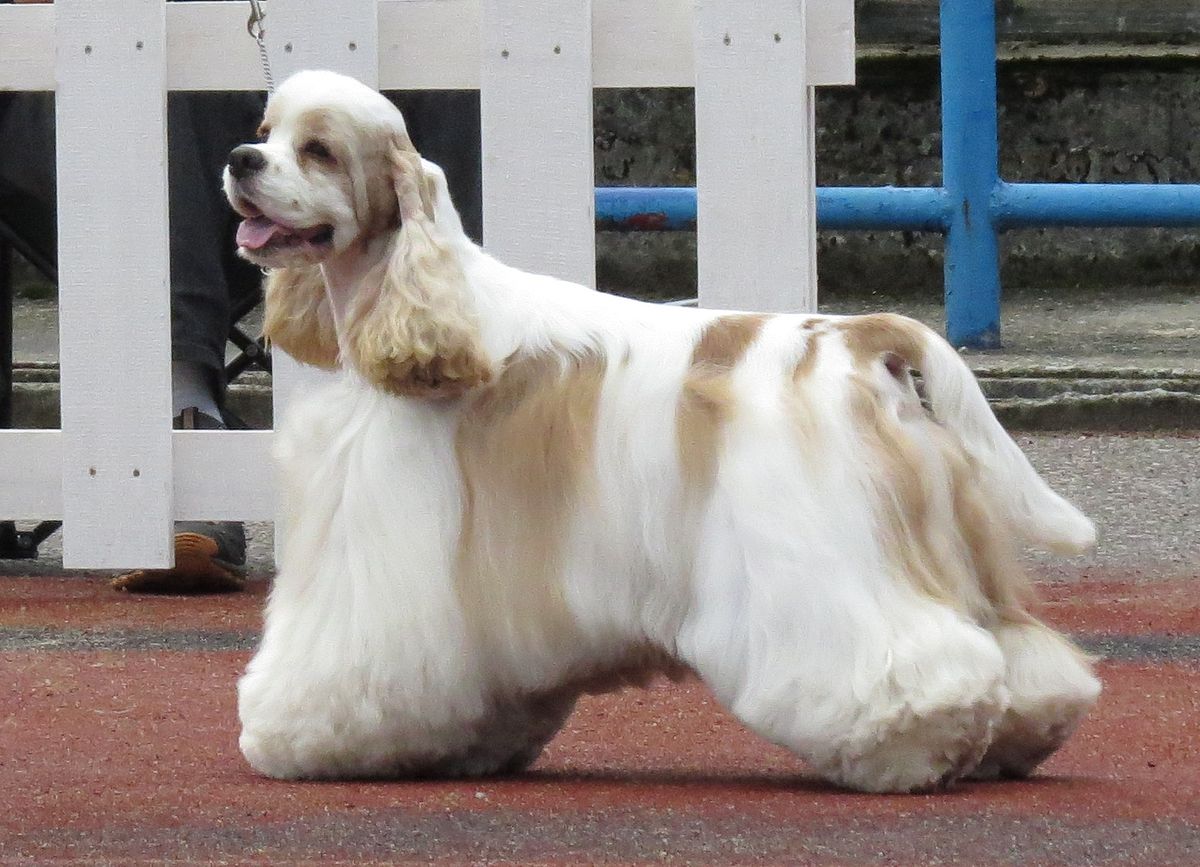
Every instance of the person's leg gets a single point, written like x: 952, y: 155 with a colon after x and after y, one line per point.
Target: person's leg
x: 203, y: 128
x: 27, y: 178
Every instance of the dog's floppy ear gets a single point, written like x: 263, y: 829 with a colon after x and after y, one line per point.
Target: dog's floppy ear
x: 297, y: 317
x: 414, y: 332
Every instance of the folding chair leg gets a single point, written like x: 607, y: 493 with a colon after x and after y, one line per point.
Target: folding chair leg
x: 6, y: 334
x: 23, y: 544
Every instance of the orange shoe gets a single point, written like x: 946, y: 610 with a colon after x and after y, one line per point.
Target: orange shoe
x: 209, y: 557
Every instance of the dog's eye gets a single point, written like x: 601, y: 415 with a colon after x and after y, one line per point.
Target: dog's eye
x: 264, y: 132
x: 314, y: 148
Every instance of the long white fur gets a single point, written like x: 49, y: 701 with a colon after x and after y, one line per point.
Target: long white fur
x: 777, y: 592
x: 1041, y: 516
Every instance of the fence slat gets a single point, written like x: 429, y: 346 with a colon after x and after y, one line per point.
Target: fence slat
x: 829, y: 36
x: 652, y: 44
x: 27, y: 46
x: 32, y: 474
x: 343, y: 36
x: 244, y: 490
x: 208, y: 47
x: 637, y: 43
x: 114, y: 315
x: 536, y: 104
x: 414, y: 51
x: 756, y: 206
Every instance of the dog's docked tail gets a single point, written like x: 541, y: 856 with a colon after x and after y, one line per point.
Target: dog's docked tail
x: 1036, y: 512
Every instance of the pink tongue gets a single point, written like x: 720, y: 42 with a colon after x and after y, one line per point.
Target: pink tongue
x: 256, y: 233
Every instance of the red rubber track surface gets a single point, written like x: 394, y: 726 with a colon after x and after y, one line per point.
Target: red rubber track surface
x: 128, y: 755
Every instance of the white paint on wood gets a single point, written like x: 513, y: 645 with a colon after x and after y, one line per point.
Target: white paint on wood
x: 342, y: 35
x: 638, y: 42
x: 831, y: 43
x: 426, y: 44
x: 243, y: 490
x: 27, y: 47
x: 114, y: 308
x: 536, y: 112
x: 429, y: 44
x: 809, y: 193
x: 31, y: 486
x: 755, y: 201
x: 208, y: 47
x: 652, y: 44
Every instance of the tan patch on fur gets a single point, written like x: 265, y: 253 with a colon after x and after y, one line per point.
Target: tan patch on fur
x: 362, y: 158
x: 965, y: 559
x: 806, y: 416
x: 902, y: 505
x: 526, y: 447
x: 297, y: 317
x: 808, y: 358
x: 707, y: 397
x: 1002, y: 578
x: 869, y: 337
x: 972, y: 564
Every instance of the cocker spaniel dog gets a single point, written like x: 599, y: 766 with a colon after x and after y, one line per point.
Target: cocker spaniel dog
x: 518, y: 490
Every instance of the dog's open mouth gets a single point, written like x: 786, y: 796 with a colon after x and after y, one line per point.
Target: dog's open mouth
x: 262, y: 234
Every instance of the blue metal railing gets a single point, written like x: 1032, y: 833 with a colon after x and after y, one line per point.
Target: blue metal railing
x: 972, y: 207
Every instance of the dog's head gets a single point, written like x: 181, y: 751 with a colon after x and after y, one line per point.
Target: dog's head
x: 335, y: 171
x: 333, y: 158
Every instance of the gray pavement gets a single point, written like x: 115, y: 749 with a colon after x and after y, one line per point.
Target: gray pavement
x: 1143, y: 492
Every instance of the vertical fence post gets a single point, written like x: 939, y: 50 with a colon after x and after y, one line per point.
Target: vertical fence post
x: 114, y: 305
x: 756, y: 206
x: 538, y: 165
x: 970, y: 166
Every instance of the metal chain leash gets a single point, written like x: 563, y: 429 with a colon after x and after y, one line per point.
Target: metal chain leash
x: 256, y: 27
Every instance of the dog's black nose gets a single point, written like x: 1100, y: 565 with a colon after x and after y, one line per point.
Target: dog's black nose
x: 245, y: 160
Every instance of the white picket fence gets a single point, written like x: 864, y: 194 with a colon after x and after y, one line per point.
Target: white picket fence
x: 116, y: 474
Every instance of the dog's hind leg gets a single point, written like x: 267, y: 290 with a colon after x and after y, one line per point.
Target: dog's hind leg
x: 1052, y: 688
x: 818, y: 648
x: 891, y: 694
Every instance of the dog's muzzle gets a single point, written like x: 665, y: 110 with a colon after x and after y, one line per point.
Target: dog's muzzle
x: 245, y: 160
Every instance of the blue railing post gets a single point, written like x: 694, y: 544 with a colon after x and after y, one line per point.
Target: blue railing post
x: 970, y: 171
